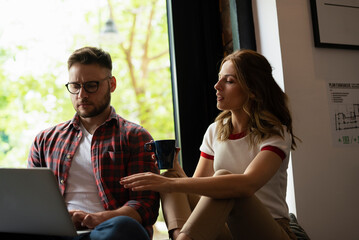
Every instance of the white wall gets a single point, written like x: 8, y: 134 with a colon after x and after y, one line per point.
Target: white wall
x: 325, y: 176
x: 265, y: 14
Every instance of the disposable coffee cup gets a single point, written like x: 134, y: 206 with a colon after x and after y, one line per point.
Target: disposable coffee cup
x: 164, y: 151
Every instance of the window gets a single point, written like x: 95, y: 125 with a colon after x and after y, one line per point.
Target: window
x: 37, y: 37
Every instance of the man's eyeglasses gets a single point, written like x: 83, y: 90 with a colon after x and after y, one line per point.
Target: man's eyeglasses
x: 90, y: 87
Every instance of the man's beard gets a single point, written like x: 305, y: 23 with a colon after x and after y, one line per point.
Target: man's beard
x: 98, y: 109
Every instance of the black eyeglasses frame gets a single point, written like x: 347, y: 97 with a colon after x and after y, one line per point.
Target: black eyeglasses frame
x: 83, y: 85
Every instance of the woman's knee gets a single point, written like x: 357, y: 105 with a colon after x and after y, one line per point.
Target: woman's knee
x: 222, y: 172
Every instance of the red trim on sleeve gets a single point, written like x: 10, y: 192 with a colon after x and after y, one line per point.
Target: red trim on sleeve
x: 205, y: 155
x: 276, y: 150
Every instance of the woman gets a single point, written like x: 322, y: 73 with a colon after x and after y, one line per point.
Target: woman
x: 241, y: 174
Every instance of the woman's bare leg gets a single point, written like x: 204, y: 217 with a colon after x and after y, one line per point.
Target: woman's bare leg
x: 183, y: 236
x: 176, y: 207
x: 250, y: 219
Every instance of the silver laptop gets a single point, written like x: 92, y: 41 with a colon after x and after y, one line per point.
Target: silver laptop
x: 31, y: 203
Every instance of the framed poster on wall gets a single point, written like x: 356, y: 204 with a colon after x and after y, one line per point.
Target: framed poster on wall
x: 335, y: 23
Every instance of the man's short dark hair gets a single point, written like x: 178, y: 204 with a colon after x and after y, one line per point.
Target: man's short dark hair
x: 90, y: 55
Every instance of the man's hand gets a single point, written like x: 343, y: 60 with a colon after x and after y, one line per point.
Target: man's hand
x: 84, y: 220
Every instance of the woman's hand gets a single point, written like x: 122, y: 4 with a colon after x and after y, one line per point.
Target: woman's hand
x: 176, y: 164
x: 148, y: 181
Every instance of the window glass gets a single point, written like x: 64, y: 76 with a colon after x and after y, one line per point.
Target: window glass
x: 37, y: 37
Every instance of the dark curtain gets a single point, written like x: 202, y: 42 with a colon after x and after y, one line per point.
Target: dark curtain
x: 197, y: 51
x: 245, y: 25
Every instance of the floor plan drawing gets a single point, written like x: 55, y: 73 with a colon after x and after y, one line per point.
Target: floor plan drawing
x: 347, y: 117
x: 344, y: 113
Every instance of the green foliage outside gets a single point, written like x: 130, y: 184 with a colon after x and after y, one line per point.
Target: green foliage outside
x: 32, y: 94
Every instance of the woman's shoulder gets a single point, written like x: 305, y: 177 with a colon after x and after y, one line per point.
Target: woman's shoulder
x: 211, y: 130
x: 283, y: 141
x: 212, y: 126
x: 210, y: 134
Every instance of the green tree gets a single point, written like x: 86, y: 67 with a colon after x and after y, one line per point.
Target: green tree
x: 144, y: 50
x: 33, y: 100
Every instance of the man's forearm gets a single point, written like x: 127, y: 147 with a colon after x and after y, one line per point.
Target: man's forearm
x: 124, y: 211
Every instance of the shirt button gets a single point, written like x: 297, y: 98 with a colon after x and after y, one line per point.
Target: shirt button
x: 68, y: 156
x: 62, y: 181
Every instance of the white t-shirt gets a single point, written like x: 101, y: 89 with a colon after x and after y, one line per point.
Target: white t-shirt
x: 81, y: 190
x: 235, y: 155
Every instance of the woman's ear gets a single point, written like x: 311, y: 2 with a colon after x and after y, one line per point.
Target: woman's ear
x: 251, y: 96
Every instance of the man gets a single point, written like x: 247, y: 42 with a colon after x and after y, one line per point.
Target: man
x: 90, y: 153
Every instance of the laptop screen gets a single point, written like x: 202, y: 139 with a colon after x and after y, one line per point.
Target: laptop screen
x: 31, y: 203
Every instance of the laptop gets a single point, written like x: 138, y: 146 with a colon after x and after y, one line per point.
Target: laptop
x: 31, y: 203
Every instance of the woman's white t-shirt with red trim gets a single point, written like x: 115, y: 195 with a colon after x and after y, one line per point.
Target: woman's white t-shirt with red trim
x: 235, y: 154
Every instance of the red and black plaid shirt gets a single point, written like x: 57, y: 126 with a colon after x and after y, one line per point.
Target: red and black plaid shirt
x: 117, y: 150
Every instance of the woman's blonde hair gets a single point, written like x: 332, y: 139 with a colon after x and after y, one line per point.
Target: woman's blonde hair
x: 266, y: 103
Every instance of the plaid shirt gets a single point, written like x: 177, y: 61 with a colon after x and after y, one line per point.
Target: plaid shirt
x: 117, y: 150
